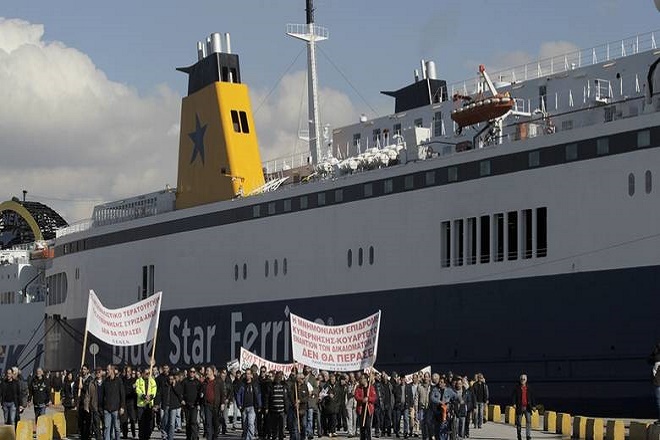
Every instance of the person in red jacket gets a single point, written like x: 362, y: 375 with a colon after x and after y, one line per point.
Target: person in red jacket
x: 365, y: 396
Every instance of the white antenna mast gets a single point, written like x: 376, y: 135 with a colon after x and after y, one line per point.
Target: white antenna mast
x: 311, y: 33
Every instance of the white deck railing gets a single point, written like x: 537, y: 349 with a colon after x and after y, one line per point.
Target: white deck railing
x: 562, y: 63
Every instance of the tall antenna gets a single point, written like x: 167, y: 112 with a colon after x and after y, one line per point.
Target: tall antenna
x: 311, y: 33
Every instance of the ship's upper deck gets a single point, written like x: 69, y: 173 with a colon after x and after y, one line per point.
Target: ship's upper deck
x: 581, y: 89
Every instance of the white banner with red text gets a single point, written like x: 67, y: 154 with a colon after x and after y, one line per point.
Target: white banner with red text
x: 248, y: 359
x: 131, y: 325
x: 348, y: 347
x: 420, y: 373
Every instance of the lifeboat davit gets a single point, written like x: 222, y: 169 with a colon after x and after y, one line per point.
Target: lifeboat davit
x: 481, y: 110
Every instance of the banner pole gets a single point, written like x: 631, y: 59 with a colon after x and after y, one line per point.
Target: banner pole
x: 84, y: 347
x: 153, y: 353
x: 82, y: 362
x: 295, y: 388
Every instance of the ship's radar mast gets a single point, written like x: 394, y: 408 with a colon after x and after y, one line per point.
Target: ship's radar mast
x: 311, y: 33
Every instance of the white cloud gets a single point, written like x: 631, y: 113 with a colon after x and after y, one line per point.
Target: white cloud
x: 69, y: 132
x: 279, y: 117
x: 506, y: 60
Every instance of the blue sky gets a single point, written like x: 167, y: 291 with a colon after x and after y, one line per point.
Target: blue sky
x: 376, y: 43
x: 91, y: 97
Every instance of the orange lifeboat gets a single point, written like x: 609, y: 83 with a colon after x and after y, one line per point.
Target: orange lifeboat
x: 481, y: 110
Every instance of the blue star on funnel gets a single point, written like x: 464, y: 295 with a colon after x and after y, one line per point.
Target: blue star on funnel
x: 197, y: 137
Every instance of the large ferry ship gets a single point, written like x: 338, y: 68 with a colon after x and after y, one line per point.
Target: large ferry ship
x: 503, y: 224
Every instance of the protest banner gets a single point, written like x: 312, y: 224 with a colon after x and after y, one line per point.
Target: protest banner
x: 132, y: 325
x: 247, y: 359
x: 348, y: 347
x: 409, y: 377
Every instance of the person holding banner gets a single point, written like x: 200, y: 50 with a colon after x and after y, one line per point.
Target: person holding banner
x: 365, y: 397
x: 145, y: 389
x: 299, y: 397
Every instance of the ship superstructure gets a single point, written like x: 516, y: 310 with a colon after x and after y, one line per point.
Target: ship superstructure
x: 527, y: 241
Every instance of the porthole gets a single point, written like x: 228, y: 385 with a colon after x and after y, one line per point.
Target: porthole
x: 275, y: 267
x: 371, y: 255
x: 631, y: 184
x: 648, y: 177
x: 235, y: 272
x: 266, y: 269
x: 284, y: 267
x: 245, y: 271
x: 350, y: 258
x: 360, y: 257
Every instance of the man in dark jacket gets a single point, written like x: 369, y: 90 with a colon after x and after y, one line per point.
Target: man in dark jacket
x: 113, y: 403
x: 480, y: 393
x: 275, y: 406
x: 298, y: 404
x: 39, y: 394
x: 523, y: 400
x: 332, y: 395
x: 192, y: 393
x: 654, y: 360
x: 214, y: 403
x: 11, y: 397
x: 248, y: 400
x: 84, y: 418
x: 162, y: 399
x: 91, y: 404
x: 131, y: 403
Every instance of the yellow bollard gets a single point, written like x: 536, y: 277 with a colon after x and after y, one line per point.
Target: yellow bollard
x: 535, y: 420
x: 637, y: 430
x: 510, y: 415
x: 615, y: 430
x: 563, y: 424
x: 579, y: 427
x: 495, y: 413
x: 45, y: 427
x: 486, y: 413
x: 7, y: 432
x: 595, y: 429
x: 24, y: 430
x: 550, y: 421
x: 59, y: 426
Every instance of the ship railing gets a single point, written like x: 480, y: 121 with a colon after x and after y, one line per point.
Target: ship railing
x: 564, y: 62
x: 80, y: 226
x: 286, y: 163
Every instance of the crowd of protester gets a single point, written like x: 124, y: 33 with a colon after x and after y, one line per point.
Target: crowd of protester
x: 114, y: 402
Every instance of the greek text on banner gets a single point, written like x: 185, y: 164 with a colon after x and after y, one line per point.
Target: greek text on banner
x: 248, y: 359
x: 348, y: 347
x: 131, y: 325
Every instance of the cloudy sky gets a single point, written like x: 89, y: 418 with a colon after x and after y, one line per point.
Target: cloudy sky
x: 90, y: 98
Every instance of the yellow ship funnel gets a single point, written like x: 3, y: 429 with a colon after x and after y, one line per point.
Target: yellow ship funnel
x: 218, y: 148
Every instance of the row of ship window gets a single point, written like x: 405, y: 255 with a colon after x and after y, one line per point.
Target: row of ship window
x: 648, y: 183
x: 504, y: 164
x: 572, y: 152
x: 274, y: 270
x: 492, y: 238
x: 360, y: 257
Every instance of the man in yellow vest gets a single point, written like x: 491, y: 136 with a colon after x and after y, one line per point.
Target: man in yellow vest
x: 145, y: 388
